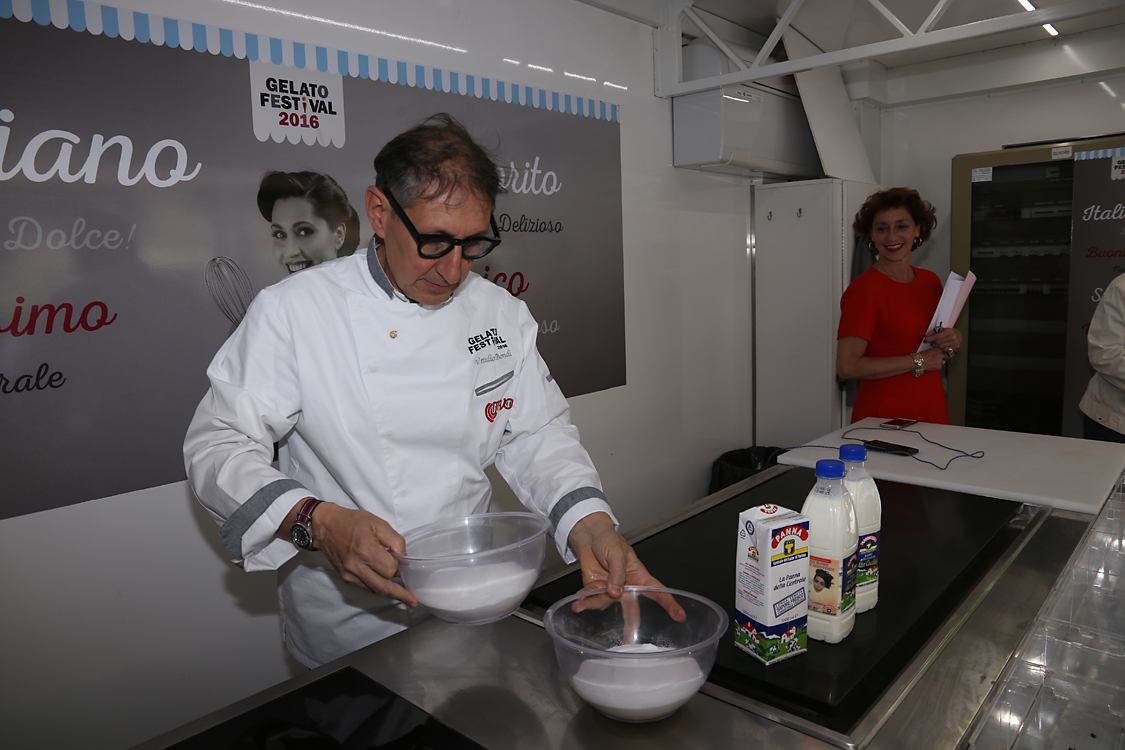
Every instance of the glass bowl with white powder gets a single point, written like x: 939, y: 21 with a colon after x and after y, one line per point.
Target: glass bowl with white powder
x: 628, y: 657
x: 475, y: 569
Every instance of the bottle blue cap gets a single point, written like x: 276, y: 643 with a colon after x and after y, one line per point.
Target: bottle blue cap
x: 830, y: 468
x: 853, y: 452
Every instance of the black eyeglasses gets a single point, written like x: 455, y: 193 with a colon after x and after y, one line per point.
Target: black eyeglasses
x: 433, y: 246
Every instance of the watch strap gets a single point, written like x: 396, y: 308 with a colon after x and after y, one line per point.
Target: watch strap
x: 301, y: 533
x: 919, y: 370
x: 304, y: 515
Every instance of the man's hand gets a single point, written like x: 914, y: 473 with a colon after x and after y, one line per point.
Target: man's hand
x: 356, y: 543
x: 608, y: 561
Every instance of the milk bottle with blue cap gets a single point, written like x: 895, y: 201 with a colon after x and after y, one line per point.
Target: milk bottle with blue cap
x: 868, y: 515
x: 833, y: 538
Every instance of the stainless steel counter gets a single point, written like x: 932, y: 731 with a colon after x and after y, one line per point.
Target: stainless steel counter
x: 499, y: 684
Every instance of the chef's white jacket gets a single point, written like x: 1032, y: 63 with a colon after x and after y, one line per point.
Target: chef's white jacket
x: 1104, y: 399
x: 381, y: 404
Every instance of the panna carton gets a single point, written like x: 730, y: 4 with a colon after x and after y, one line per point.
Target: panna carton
x: 771, y: 579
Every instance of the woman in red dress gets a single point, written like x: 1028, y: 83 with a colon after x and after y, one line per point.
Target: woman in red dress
x: 885, y: 313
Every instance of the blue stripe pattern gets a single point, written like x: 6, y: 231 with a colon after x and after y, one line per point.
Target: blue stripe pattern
x: 199, y: 37
x: 1104, y: 153
x: 75, y: 13
x: 171, y: 33
x: 436, y: 78
x: 140, y: 27
x: 41, y: 12
x: 109, y: 22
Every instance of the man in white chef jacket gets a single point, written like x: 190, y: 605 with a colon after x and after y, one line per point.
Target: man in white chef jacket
x: 391, y: 379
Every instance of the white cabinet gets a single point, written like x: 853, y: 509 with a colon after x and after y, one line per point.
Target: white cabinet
x: 803, y: 244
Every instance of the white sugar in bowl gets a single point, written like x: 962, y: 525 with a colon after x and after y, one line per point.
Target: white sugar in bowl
x: 629, y: 658
x: 475, y: 569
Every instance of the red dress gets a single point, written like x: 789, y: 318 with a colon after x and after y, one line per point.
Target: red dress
x: 892, y: 317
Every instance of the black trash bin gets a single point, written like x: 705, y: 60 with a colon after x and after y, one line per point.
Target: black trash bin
x: 734, y: 466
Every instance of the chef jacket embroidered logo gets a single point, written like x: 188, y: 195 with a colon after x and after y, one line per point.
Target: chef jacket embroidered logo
x: 496, y: 407
x: 491, y: 337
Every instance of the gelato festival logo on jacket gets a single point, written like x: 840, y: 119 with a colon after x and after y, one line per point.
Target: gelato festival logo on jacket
x: 785, y: 544
x: 493, y: 409
x: 491, y: 337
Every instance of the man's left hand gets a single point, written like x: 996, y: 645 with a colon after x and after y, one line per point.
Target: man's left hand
x: 609, y: 562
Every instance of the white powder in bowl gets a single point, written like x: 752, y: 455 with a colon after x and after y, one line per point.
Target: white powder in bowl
x: 638, y: 689
x: 475, y: 593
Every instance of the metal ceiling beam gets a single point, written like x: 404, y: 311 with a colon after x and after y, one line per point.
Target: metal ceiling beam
x: 935, y: 16
x: 668, y: 41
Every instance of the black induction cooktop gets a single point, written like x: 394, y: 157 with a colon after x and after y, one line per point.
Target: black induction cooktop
x: 345, y: 710
x: 936, y: 545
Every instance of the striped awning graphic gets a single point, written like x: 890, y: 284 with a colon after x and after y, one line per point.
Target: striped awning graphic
x: 145, y: 27
x: 1104, y: 153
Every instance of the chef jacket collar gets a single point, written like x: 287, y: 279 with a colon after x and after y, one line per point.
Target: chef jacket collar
x: 380, y: 277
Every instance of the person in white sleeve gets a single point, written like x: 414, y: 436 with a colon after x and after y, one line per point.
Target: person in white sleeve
x: 1103, y: 403
x: 391, y: 380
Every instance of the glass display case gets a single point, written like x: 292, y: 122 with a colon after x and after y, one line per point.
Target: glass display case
x: 1011, y: 226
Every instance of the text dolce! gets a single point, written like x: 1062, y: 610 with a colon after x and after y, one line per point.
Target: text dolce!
x: 283, y: 94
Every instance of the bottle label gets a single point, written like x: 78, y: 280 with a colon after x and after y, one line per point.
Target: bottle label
x: 832, y: 585
x: 867, y: 575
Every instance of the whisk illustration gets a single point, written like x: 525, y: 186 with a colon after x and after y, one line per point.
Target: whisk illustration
x: 229, y: 287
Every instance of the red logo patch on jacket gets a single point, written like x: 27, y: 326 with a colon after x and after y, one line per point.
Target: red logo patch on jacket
x: 493, y: 409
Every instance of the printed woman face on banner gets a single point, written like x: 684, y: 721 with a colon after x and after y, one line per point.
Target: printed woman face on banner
x: 300, y: 237
x: 311, y: 220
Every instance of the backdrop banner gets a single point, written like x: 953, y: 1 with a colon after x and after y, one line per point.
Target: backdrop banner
x: 1097, y: 256
x: 133, y: 227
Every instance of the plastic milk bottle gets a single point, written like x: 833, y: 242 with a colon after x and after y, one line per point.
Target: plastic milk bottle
x: 868, y: 514
x: 833, y: 538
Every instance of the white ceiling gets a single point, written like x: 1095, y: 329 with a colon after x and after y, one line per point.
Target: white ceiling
x: 838, y: 24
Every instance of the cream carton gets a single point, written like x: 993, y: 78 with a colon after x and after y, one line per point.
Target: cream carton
x: 771, y: 579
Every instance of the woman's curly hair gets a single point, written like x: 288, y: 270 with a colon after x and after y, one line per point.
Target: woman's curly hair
x: 921, y: 211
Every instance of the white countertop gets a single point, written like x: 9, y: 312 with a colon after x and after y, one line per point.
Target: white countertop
x: 1066, y: 473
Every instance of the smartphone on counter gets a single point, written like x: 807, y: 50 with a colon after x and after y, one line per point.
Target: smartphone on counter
x: 898, y: 424
x: 881, y: 446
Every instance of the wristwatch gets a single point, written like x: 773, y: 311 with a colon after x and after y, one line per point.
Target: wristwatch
x: 918, y: 361
x: 300, y: 532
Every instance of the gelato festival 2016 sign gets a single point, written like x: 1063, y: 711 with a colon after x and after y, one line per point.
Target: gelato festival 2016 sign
x: 147, y: 192
x: 1097, y: 257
